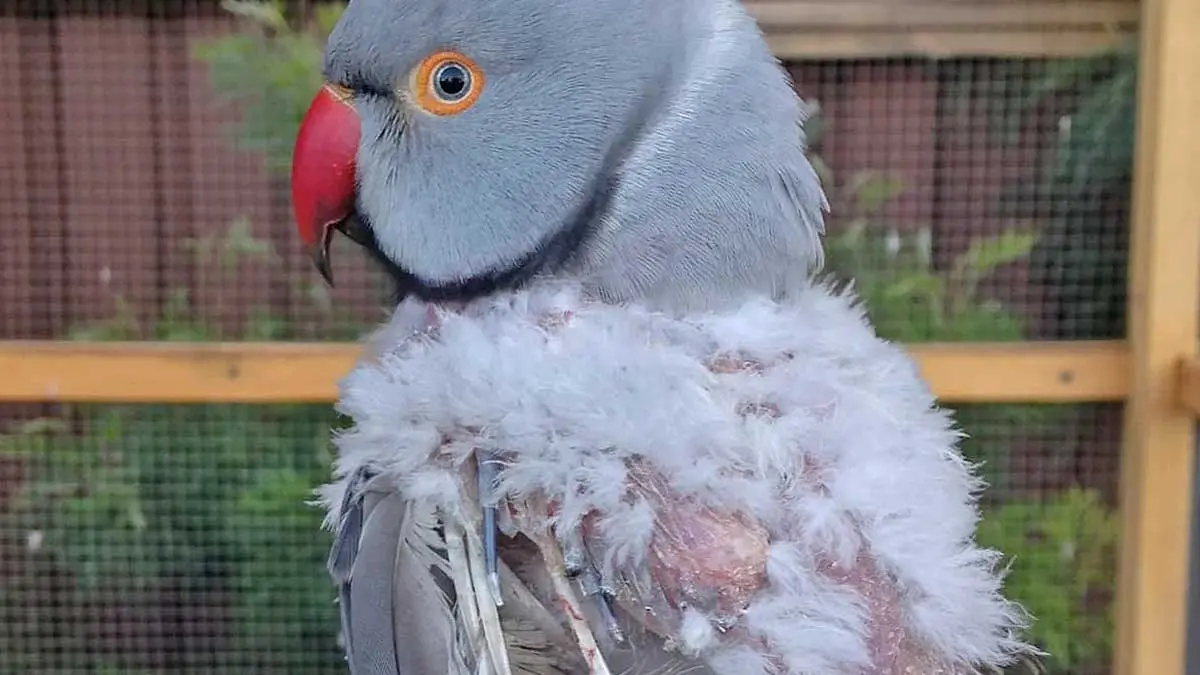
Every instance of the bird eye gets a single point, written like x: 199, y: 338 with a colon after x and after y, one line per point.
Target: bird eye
x: 447, y: 83
x: 451, y: 82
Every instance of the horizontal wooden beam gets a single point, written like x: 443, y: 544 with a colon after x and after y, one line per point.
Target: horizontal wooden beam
x: 148, y: 372
x: 305, y: 372
x: 1031, y: 372
x: 864, y: 44
x: 848, y: 29
x: 783, y: 15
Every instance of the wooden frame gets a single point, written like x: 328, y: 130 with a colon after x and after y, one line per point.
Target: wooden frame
x: 290, y: 373
x: 825, y: 29
x: 942, y: 44
x: 1189, y: 386
x: 1164, y: 309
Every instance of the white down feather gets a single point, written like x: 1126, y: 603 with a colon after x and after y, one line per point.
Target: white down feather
x: 571, y: 401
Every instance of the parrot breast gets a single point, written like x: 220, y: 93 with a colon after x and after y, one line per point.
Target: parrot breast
x: 769, y: 489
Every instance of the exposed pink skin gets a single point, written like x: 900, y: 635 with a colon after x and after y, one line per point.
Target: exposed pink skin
x: 700, y: 556
x: 716, y: 561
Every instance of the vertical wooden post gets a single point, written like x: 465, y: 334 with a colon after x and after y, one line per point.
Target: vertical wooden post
x: 1164, y: 299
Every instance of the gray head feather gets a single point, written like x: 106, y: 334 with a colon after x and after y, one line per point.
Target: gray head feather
x: 652, y: 149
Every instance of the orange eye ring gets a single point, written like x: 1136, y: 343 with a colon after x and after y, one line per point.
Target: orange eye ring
x: 446, y: 83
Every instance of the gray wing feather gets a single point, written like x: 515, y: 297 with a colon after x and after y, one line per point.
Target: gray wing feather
x: 398, y: 610
x: 372, y: 644
x: 345, y: 549
x: 396, y: 618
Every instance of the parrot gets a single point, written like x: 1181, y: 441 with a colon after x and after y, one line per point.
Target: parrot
x: 617, y: 422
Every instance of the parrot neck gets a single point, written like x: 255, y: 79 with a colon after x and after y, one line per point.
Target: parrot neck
x: 715, y: 198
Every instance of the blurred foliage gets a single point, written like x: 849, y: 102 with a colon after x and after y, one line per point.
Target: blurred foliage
x: 150, y: 522
x: 163, y: 511
x: 270, y: 71
x: 1083, y: 254
x: 177, y: 538
x: 893, y: 272
x: 907, y: 299
x: 223, y: 261
x: 1081, y: 198
x: 1063, y: 550
x: 1063, y: 572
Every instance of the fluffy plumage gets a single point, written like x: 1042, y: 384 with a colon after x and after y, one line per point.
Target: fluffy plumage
x: 793, y: 415
x: 621, y: 231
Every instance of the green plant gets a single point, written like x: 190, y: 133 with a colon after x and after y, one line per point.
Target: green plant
x: 1088, y: 184
x: 1063, y: 571
x: 130, y: 500
x: 1079, y: 193
x: 137, y: 509
x: 221, y: 259
x: 893, y: 273
x: 270, y: 71
x: 908, y: 300
x: 269, y: 586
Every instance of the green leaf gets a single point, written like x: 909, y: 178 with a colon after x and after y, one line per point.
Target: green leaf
x: 123, y: 325
x: 925, y: 284
x: 1063, y: 554
x: 269, y: 75
x: 325, y: 16
x: 872, y: 190
x: 986, y: 255
x: 267, y: 14
x: 240, y: 243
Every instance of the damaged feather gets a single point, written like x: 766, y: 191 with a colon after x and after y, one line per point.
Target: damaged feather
x: 791, y: 418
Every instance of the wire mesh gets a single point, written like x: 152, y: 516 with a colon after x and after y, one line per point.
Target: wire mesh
x: 971, y: 197
x: 166, y: 540
x: 143, y: 161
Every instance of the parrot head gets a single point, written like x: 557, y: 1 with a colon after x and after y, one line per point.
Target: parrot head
x: 651, y: 149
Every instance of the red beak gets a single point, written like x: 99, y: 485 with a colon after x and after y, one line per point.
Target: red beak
x: 323, y: 172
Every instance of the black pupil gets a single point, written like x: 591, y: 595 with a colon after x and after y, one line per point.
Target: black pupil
x: 452, y: 80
